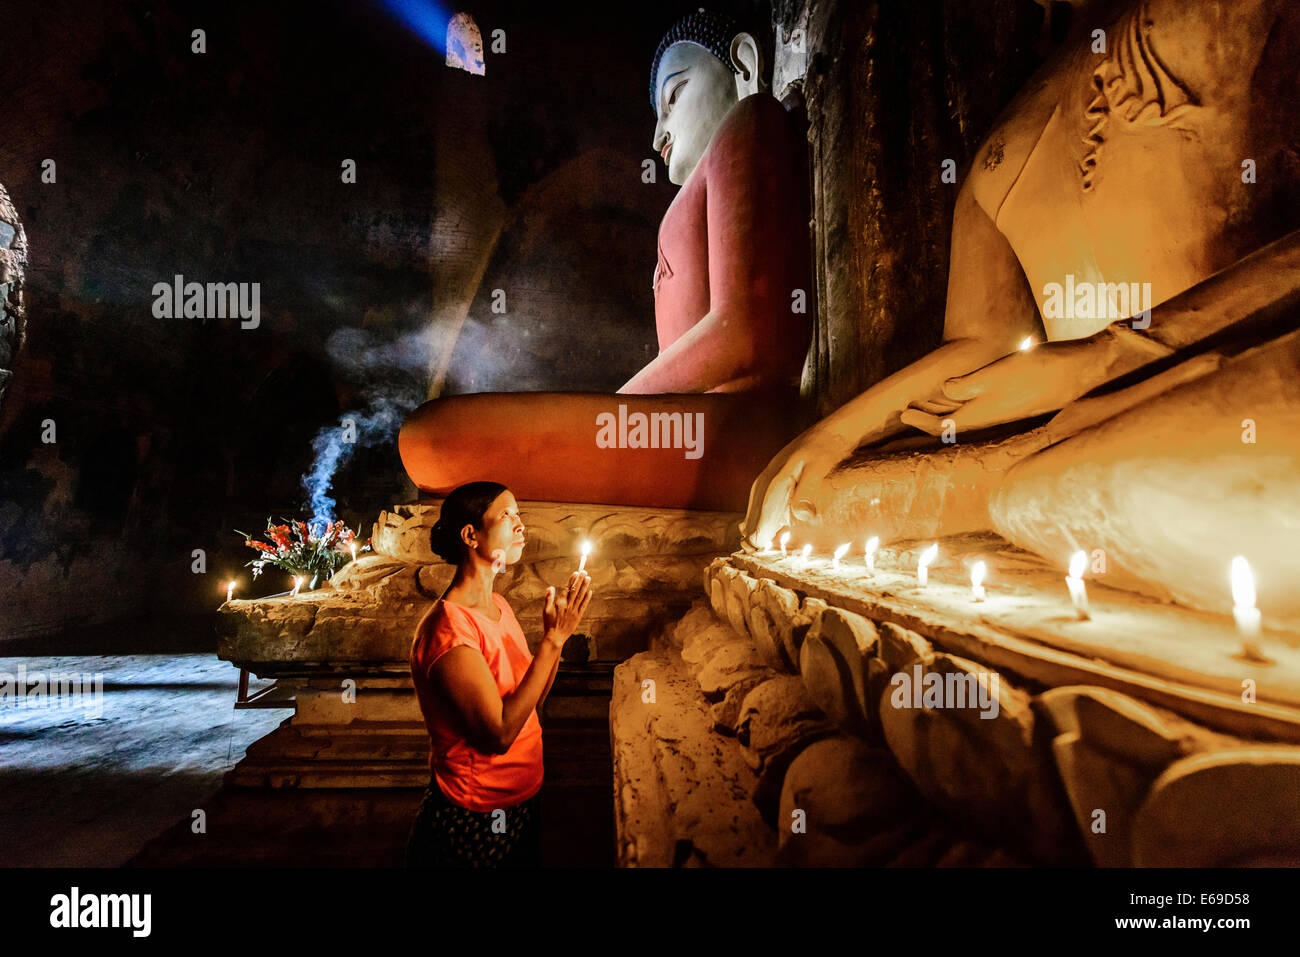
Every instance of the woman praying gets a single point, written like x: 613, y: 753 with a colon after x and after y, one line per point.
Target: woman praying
x: 480, y: 690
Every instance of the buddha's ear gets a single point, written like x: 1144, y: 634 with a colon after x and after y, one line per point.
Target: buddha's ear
x: 747, y: 56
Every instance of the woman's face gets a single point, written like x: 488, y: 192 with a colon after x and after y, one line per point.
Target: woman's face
x: 501, y: 539
x: 695, y: 91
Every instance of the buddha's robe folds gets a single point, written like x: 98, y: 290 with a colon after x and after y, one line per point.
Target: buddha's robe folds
x: 733, y: 309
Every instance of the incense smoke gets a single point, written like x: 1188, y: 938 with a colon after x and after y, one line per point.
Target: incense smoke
x: 391, y: 376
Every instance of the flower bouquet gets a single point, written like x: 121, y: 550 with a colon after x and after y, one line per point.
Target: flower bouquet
x: 297, y: 549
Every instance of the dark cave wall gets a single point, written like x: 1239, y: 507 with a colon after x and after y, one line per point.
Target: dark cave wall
x: 225, y: 166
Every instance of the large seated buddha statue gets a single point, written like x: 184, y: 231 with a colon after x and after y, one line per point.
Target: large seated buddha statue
x: 1133, y: 215
x: 731, y: 288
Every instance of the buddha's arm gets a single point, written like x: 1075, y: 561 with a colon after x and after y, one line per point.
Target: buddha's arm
x: 1244, y: 297
x: 989, y: 310
x: 715, y: 350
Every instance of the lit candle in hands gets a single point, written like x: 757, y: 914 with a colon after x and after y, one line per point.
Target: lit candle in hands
x: 586, y: 550
x: 839, y: 553
x: 1244, y: 611
x: 1078, y: 591
x: 977, y: 572
x: 873, y: 543
x: 923, y: 566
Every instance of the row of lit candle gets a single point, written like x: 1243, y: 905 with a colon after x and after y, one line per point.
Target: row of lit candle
x: 1244, y: 612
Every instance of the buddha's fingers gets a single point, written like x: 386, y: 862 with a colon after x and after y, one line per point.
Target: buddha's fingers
x: 937, y: 407
x: 930, y: 424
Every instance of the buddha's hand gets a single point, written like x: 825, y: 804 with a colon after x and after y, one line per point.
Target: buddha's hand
x: 786, y: 490
x: 562, y: 613
x: 1017, y: 386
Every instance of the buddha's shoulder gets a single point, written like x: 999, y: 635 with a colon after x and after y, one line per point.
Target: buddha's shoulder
x: 759, y: 117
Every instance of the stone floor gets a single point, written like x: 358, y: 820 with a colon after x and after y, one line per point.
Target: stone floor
x: 80, y: 790
x: 83, y: 791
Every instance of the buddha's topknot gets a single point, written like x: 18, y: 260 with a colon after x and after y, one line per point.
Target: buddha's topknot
x: 713, y: 31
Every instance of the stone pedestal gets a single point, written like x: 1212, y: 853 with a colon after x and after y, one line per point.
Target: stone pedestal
x: 860, y: 719
x: 343, y: 650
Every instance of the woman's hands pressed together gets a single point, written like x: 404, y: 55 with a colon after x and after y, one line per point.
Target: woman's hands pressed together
x: 562, y: 613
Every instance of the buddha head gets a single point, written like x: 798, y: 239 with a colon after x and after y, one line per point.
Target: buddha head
x: 704, y: 66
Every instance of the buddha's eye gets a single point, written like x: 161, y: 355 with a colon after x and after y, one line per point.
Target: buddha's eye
x: 676, y: 90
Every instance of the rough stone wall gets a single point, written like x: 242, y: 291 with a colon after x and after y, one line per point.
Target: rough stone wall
x: 894, y: 88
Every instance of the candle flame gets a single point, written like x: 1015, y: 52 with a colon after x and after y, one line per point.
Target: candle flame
x: 1078, y: 562
x: 873, y: 543
x: 840, y: 552
x: 1243, y: 583
x: 1026, y: 343
x: 977, y: 573
x: 929, y: 555
x: 807, y: 550
x: 586, y: 549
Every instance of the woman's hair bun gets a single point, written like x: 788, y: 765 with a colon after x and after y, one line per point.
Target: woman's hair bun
x: 465, y: 505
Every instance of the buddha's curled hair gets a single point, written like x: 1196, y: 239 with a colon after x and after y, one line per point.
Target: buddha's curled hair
x: 713, y: 31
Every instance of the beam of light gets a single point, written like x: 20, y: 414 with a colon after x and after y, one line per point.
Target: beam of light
x: 424, y: 18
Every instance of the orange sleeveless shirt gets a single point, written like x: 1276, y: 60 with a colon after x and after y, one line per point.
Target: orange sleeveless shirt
x: 470, y: 778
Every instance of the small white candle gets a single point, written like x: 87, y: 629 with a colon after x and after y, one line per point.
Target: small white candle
x: 923, y: 566
x: 1078, y: 591
x: 804, y: 553
x: 230, y: 591
x: 297, y: 583
x: 586, y: 550
x: 873, y: 543
x: 839, y: 553
x: 977, y: 572
x: 353, y: 546
x: 785, y: 539
x: 1243, y: 608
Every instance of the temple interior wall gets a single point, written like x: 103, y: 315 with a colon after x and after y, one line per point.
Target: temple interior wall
x: 226, y: 166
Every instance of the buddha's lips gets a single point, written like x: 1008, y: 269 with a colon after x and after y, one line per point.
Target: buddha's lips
x: 666, y: 150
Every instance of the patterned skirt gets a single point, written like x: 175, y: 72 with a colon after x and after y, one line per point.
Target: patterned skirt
x: 447, y: 835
